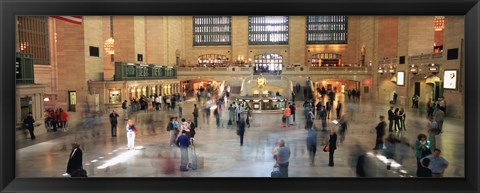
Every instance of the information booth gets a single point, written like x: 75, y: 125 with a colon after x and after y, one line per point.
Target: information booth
x: 260, y: 102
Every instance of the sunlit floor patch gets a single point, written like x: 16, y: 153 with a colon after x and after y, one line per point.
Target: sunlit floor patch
x: 118, y: 159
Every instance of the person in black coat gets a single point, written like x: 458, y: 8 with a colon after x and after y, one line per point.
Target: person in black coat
x: 380, y: 130
x: 423, y: 170
x: 391, y: 118
x: 332, y: 142
x: 113, y: 122
x: 75, y: 160
x: 29, y: 124
x: 241, y: 130
x: 397, y: 119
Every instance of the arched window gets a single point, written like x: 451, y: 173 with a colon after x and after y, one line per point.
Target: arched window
x: 327, y: 29
x: 326, y: 59
x: 268, y: 63
x: 212, y: 60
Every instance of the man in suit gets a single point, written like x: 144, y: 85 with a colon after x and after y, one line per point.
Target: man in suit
x: 75, y: 160
x: 114, y: 121
x: 391, y: 119
x: 380, y: 130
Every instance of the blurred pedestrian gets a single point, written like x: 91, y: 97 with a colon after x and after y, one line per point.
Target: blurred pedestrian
x: 63, y: 119
x: 311, y: 141
x: 216, y: 113
x: 332, y: 142
x: 342, y: 131
x: 433, y: 131
x: 283, y: 157
x: 113, y: 122
x: 241, y: 130
x: 323, y: 116
x: 195, y: 115
x: 29, y: 124
x: 380, y: 131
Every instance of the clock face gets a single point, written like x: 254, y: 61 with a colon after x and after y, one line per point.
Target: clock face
x: 261, y: 81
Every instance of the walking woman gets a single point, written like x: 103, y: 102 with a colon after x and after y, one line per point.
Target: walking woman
x: 422, y: 149
x: 332, y: 142
x: 130, y: 134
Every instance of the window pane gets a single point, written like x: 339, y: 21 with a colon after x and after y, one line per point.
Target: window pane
x: 268, y: 30
x: 212, y: 30
x: 33, y: 37
x: 327, y: 29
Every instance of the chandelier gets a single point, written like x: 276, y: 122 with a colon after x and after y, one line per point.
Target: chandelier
x: 109, y: 46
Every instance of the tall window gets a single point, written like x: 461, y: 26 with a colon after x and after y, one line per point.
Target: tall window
x: 212, y: 30
x: 33, y: 37
x: 327, y: 29
x: 268, y: 30
x: 439, y: 23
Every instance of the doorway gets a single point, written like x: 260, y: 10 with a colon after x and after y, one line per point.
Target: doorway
x: 417, y: 88
x: 72, y: 100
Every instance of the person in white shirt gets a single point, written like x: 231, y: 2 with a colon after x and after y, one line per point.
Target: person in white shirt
x: 130, y: 134
x: 438, y: 164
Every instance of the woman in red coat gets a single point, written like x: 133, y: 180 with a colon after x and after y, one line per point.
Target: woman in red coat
x: 63, y: 119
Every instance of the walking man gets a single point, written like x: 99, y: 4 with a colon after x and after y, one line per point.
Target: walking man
x: 183, y: 142
x: 113, y: 122
x: 241, y: 130
x: 433, y: 131
x: 283, y: 157
x: 339, y: 109
x: 311, y: 142
x: 391, y: 118
x: 29, y: 123
x: 380, y: 130
x: 195, y: 115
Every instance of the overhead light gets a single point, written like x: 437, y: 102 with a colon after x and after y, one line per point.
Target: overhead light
x: 46, y: 99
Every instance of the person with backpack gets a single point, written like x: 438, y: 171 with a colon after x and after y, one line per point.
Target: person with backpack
x: 183, y: 143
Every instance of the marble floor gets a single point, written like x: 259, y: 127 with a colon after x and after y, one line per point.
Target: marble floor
x: 104, y: 156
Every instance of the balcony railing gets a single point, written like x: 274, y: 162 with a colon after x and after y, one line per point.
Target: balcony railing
x: 426, y: 58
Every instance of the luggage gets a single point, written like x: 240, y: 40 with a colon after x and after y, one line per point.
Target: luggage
x: 276, y: 173
x: 79, y: 173
x: 194, y: 159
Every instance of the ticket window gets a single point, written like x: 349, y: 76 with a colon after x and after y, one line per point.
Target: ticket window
x: 25, y: 106
x: 114, y: 96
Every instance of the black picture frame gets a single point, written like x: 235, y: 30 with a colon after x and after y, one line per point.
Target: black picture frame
x: 456, y: 79
x: 9, y: 9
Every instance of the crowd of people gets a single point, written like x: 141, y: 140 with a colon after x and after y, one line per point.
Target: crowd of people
x: 316, y: 112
